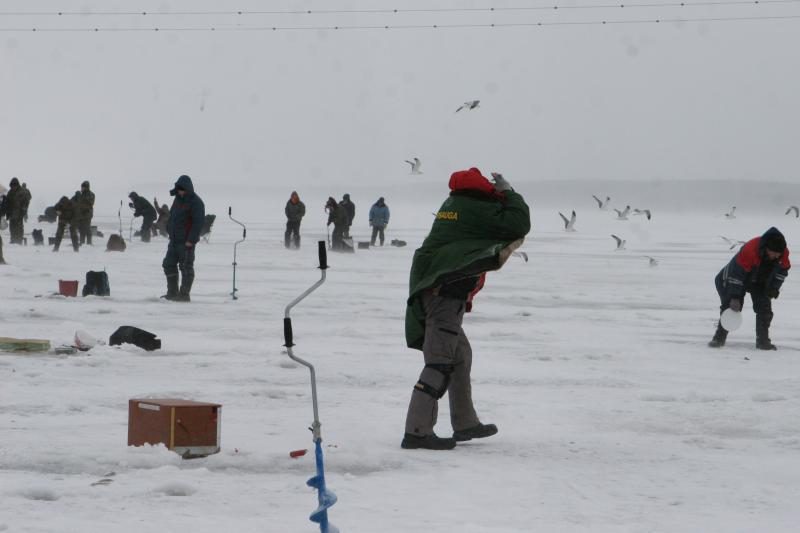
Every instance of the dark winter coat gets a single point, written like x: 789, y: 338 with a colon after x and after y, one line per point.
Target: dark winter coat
x: 349, y: 208
x: 84, y: 203
x: 379, y: 215
x: 475, y: 231
x: 66, y: 211
x: 142, y: 208
x: 16, y: 203
x: 337, y: 215
x: 295, y: 211
x: 187, y: 214
x: 750, y: 266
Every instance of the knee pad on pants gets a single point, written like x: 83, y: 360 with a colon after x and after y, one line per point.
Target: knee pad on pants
x: 434, y: 380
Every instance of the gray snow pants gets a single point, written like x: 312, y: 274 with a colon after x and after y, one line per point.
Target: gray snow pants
x: 448, y: 363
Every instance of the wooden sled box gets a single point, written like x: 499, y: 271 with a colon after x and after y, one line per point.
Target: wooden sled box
x: 190, y: 429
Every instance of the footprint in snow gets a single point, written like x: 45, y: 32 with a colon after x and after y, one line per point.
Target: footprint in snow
x: 176, y: 489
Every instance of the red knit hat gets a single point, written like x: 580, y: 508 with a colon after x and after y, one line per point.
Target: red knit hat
x: 471, y: 179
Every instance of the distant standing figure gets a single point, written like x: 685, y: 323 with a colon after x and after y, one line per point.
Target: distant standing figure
x: 17, y: 201
x: 163, y: 218
x: 142, y: 208
x: 186, y: 218
x: 295, y: 211
x: 65, y: 209
x: 760, y: 268
x: 378, y: 219
x: 84, y: 204
x: 27, y: 196
x: 350, y: 209
x: 337, y: 215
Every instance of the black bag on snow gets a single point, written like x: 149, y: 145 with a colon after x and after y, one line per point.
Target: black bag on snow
x: 132, y: 335
x: 96, y: 284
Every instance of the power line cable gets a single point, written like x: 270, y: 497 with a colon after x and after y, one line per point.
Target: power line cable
x: 386, y: 11
x: 404, y: 26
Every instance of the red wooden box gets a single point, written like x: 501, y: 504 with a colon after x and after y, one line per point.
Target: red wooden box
x: 190, y: 429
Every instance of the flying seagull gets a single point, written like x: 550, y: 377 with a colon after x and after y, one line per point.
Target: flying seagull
x: 731, y: 214
x: 469, y: 106
x: 620, y: 243
x: 733, y: 243
x: 416, y: 164
x: 569, y: 225
x: 795, y: 209
x: 623, y: 215
x: 600, y: 203
x: 522, y: 255
x: 642, y: 212
x: 653, y: 261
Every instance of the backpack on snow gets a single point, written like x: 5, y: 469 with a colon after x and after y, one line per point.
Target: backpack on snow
x: 132, y: 335
x: 96, y: 284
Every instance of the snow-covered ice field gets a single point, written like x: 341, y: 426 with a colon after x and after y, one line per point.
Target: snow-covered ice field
x: 613, y: 413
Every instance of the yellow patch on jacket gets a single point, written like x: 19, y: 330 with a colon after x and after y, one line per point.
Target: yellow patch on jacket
x: 447, y: 215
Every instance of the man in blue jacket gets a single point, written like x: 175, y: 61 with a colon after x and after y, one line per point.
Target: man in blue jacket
x: 186, y: 218
x: 378, y: 219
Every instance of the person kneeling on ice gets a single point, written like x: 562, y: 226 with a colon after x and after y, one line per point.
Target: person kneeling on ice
x: 760, y: 268
x: 186, y: 217
x: 475, y: 231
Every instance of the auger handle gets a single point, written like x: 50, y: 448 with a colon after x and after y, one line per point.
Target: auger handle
x: 287, y: 332
x: 323, y: 255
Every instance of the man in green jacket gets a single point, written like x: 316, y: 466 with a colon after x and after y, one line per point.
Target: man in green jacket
x: 475, y: 231
x: 84, y: 212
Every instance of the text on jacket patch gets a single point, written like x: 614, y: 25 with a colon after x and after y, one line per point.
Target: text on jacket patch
x: 447, y: 215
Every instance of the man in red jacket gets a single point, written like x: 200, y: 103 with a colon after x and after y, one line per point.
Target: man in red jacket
x: 760, y: 268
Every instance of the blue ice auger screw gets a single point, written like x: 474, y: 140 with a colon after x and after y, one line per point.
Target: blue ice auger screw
x: 325, y: 497
x: 244, y: 236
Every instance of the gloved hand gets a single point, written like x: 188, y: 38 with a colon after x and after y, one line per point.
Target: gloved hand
x: 500, y: 183
x: 773, y: 293
x: 736, y: 305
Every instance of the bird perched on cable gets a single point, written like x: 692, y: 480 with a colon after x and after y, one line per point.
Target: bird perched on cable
x: 416, y: 164
x: 469, y: 105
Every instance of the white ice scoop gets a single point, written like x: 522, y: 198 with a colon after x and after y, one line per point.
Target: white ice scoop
x: 731, y: 320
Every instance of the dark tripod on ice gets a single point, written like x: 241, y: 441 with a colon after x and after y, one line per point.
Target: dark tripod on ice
x: 325, y: 497
x: 235, y: 245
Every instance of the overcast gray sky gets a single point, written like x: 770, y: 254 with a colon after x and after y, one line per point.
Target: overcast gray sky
x: 639, y: 101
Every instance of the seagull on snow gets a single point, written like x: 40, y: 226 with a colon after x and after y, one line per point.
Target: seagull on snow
x: 569, y: 225
x: 645, y: 212
x: 731, y: 214
x: 795, y: 209
x: 623, y: 215
x: 416, y: 164
x: 600, y: 203
x: 469, y: 106
x: 620, y: 243
x: 732, y: 242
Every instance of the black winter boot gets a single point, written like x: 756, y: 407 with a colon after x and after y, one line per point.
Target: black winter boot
x: 477, y: 432
x: 172, y: 287
x: 426, y: 442
x: 763, y: 320
x: 186, y: 288
x: 720, y: 337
